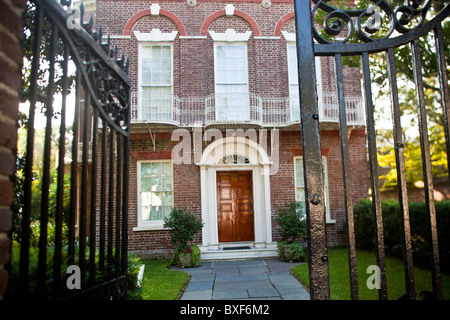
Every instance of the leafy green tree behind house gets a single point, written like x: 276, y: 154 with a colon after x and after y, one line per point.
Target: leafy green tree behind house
x: 409, y: 106
x: 406, y: 88
x: 24, y: 125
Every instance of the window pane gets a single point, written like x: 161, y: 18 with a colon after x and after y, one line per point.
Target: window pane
x: 166, y: 169
x: 165, y: 51
x: 166, y: 183
x: 156, y: 52
x: 292, y: 65
x: 299, y: 179
x: 145, y: 169
x: 156, y: 184
x: 145, y: 212
x: 146, y: 199
x: 146, y: 184
x: 155, y: 169
x: 156, y: 196
x: 300, y: 187
x: 300, y: 194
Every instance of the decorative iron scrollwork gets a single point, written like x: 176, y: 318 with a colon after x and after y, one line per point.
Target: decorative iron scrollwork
x: 107, y: 81
x: 378, y: 21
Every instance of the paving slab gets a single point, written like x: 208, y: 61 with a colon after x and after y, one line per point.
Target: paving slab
x: 242, y: 285
x: 266, y: 279
x: 200, y: 286
x: 253, y: 269
x: 263, y: 292
x: 231, y: 294
x: 197, y: 295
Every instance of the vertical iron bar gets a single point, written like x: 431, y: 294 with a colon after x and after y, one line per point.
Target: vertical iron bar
x: 347, y: 180
x: 84, y: 185
x: 103, y: 196
x: 60, y: 182
x: 373, y: 164
x: 312, y: 164
x: 28, y: 172
x: 426, y: 167
x: 42, y: 266
x: 401, y: 176
x: 118, y: 203
x: 443, y: 85
x: 94, y: 181
x: 110, y: 201
x: 74, y: 170
x: 126, y: 160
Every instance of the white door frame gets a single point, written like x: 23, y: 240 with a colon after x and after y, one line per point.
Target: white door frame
x: 211, y: 163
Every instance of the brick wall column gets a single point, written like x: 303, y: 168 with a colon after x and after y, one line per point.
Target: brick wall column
x: 10, y: 75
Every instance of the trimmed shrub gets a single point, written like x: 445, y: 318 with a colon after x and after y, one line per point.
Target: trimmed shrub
x: 393, y: 229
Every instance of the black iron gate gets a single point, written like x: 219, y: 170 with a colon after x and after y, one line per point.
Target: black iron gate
x: 71, y: 222
x: 352, y: 32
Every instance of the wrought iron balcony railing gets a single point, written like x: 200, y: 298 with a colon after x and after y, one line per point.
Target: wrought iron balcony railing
x: 248, y: 108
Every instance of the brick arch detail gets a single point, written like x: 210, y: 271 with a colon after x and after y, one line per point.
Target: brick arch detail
x: 282, y: 21
x: 237, y: 13
x: 162, y: 12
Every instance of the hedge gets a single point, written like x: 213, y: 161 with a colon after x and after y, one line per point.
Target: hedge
x: 393, y: 230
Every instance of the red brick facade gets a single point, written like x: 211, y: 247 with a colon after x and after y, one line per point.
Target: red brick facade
x: 10, y: 64
x: 193, y: 75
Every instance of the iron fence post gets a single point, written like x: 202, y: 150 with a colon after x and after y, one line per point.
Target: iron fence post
x: 312, y: 157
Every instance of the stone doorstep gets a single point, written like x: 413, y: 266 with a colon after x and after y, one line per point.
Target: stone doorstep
x: 245, y: 254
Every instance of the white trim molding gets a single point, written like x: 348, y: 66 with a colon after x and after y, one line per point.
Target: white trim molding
x: 290, y: 37
x: 229, y: 9
x: 154, y: 9
x: 155, y: 36
x: 230, y: 36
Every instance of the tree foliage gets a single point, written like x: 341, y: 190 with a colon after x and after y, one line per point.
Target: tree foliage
x: 41, y: 83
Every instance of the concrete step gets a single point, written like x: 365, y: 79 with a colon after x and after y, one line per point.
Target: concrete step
x: 237, y: 254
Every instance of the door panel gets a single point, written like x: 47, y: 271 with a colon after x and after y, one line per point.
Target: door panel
x: 235, y: 206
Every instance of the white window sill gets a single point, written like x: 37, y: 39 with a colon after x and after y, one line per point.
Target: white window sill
x: 157, y: 225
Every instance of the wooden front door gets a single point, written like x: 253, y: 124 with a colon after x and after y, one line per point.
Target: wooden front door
x: 235, y: 206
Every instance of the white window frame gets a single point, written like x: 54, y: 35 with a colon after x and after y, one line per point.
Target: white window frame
x: 231, y: 43
x: 293, y: 78
x: 325, y: 186
x: 144, y: 225
x: 143, y: 44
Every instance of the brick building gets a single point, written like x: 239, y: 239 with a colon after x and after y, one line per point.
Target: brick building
x: 215, y: 121
x: 10, y: 65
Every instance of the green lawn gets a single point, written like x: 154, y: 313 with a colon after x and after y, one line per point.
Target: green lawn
x: 161, y: 283
x: 339, y: 276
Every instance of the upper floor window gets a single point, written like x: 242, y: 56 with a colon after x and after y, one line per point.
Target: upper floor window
x: 231, y: 77
x: 231, y: 99
x: 293, y: 80
x: 156, y: 82
x: 155, y: 78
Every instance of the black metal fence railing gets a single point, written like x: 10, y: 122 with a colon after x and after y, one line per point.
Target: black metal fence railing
x: 70, y: 237
x: 360, y: 33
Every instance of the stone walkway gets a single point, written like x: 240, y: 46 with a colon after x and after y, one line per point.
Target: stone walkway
x: 267, y: 279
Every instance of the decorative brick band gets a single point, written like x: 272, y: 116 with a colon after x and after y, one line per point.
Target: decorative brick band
x: 238, y: 13
x: 298, y: 152
x: 152, y: 155
x: 141, y: 14
x: 282, y: 21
